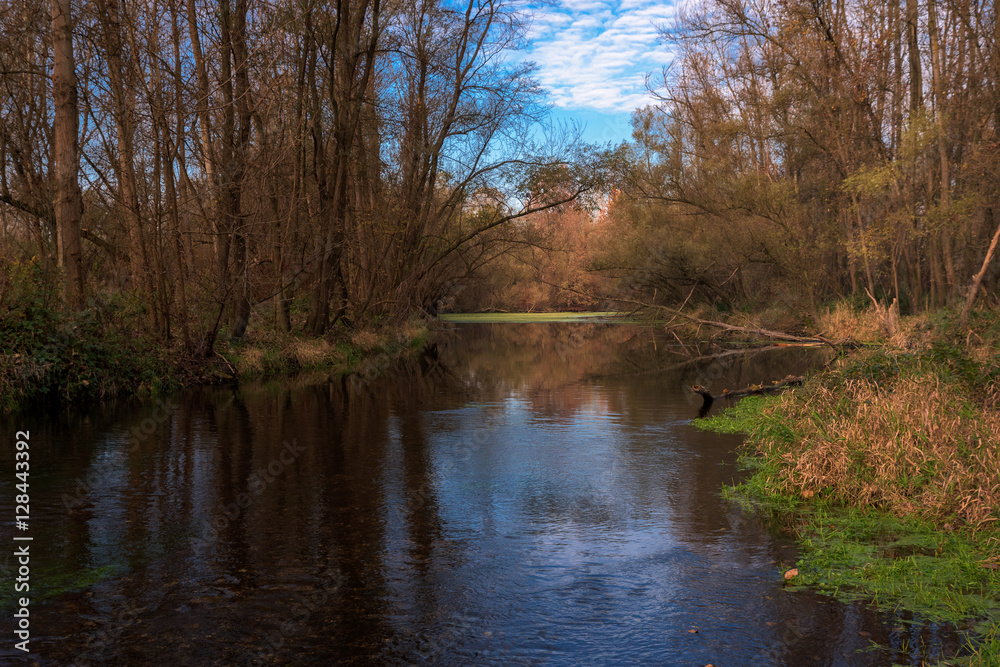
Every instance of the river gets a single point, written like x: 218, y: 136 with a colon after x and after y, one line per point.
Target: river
x: 518, y: 494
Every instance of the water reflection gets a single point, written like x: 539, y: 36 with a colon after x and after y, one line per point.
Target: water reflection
x: 528, y: 494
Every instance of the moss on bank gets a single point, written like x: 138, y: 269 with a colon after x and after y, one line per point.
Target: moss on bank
x: 886, y: 466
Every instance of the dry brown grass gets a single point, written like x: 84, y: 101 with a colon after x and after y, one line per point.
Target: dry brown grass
x: 917, y: 446
x: 365, y: 340
x: 845, y: 323
x: 250, y: 360
x: 312, y: 352
x: 875, y: 326
x: 412, y: 329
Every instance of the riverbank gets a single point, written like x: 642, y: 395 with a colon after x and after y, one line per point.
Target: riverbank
x: 886, y: 466
x: 367, y: 351
x: 49, y: 356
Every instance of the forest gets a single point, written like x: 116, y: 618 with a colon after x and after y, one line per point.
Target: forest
x: 804, y: 152
x: 808, y: 151
x: 215, y: 163
x: 195, y: 170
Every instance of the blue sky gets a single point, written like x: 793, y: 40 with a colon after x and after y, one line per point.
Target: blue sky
x: 593, y: 56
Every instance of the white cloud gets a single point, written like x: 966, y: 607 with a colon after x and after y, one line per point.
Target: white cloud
x: 594, y: 54
x: 583, y: 6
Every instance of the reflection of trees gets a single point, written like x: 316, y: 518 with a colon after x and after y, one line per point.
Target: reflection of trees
x: 538, y: 360
x: 541, y: 361
x: 574, y: 432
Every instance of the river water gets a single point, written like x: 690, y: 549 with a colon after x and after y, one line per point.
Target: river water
x: 529, y: 494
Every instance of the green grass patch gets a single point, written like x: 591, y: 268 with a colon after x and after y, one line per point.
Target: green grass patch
x: 896, y: 563
x: 750, y: 416
x: 744, y: 417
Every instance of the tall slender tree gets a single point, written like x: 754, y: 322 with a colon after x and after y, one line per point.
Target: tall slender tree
x: 65, y: 131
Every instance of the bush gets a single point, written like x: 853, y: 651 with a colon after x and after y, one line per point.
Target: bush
x: 47, y: 353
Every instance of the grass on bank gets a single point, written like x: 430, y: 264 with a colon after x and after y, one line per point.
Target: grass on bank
x: 887, y: 468
x: 266, y: 353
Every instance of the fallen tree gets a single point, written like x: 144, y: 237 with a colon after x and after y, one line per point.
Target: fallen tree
x: 725, y: 326
x: 754, y: 389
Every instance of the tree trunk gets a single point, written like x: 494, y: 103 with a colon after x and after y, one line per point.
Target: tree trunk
x: 978, y: 279
x: 234, y: 36
x: 913, y: 52
x: 124, y: 113
x: 68, y: 199
x: 937, y: 85
x: 353, y: 48
x: 996, y: 64
x: 174, y: 193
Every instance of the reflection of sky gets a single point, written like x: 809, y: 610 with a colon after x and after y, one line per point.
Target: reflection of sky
x: 559, y: 530
x: 561, y: 484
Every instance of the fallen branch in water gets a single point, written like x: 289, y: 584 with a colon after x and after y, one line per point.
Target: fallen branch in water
x: 752, y: 390
x: 753, y: 331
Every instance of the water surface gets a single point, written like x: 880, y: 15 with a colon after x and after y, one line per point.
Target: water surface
x: 528, y: 494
